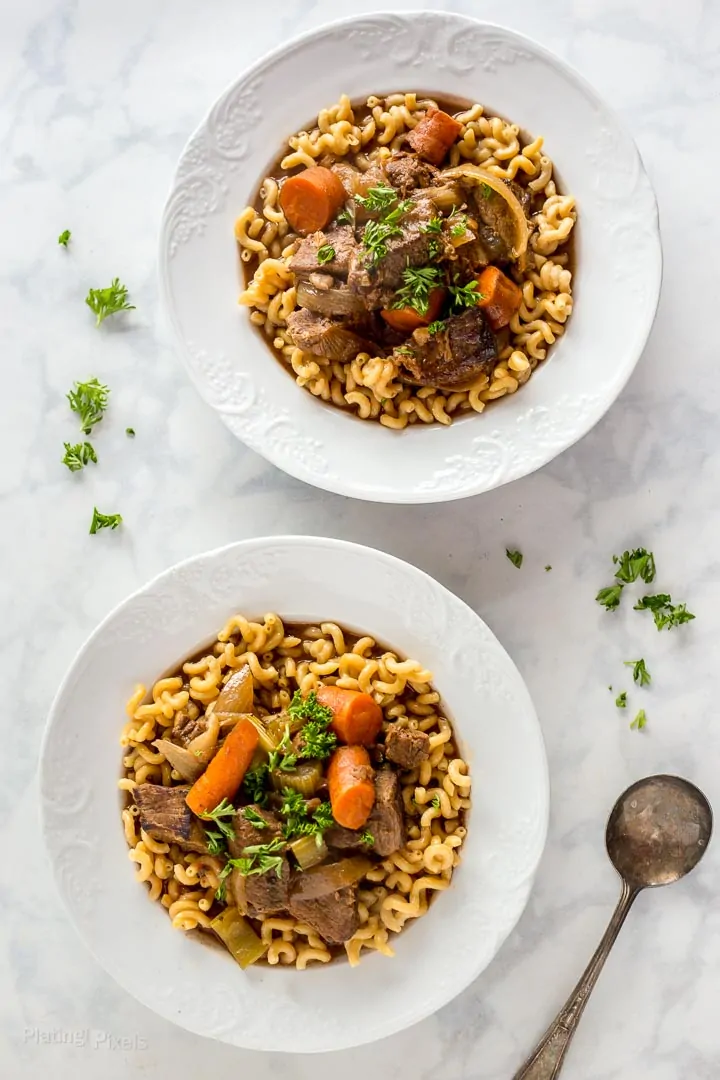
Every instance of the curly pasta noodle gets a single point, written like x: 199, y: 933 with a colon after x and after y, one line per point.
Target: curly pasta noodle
x: 368, y: 386
x: 436, y: 796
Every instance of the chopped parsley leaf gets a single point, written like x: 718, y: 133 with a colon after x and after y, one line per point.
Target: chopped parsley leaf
x: 325, y: 254
x: 105, y: 302
x: 78, y: 456
x: 250, y: 814
x: 640, y: 721
x: 104, y: 521
x: 64, y: 237
x: 610, y: 597
x: 465, y: 295
x: 515, y: 558
x: 621, y: 700
x: 635, y: 564
x: 418, y: 284
x: 378, y: 198
x: 641, y: 675
x: 89, y: 400
x: 666, y: 614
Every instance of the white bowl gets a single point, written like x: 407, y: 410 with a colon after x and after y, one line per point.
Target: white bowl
x: 616, y: 286
x: 202, y: 989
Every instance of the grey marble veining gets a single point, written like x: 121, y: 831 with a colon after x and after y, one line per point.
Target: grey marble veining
x: 95, y: 104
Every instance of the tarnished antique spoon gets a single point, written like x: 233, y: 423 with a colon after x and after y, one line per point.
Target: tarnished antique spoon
x: 657, y: 833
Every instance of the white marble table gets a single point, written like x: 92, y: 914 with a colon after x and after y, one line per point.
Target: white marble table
x: 95, y: 104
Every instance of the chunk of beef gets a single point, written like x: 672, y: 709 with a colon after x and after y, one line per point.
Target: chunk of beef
x: 305, y: 261
x: 456, y: 356
x: 187, y: 727
x: 247, y: 834
x: 261, y: 894
x: 407, y: 748
x: 385, y: 823
x: 334, y: 915
x: 165, y: 815
x: 258, y: 894
x: 413, y: 246
x: 386, y: 820
x: 408, y: 172
x: 497, y: 224
x: 523, y: 195
x: 325, y: 336
x: 470, y: 258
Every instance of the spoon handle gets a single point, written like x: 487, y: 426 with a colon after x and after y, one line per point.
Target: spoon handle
x: 547, y: 1059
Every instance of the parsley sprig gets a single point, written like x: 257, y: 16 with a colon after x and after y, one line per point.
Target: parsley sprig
x: 255, y: 859
x: 437, y: 326
x: 256, y: 820
x: 465, y: 295
x: 376, y: 234
x: 298, y: 822
x: 105, y: 302
x: 378, y: 198
x: 315, y: 739
x: 609, y: 598
x: 375, y: 237
x: 325, y: 254
x: 255, y: 783
x: 89, y: 400
x: 635, y: 564
x: 104, y: 521
x: 218, y: 837
x: 640, y: 721
x: 641, y: 675
x: 279, y: 758
x: 666, y: 614
x: 78, y: 456
x: 418, y: 284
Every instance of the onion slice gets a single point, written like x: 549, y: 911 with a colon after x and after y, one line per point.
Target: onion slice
x: 183, y: 761
x: 477, y: 175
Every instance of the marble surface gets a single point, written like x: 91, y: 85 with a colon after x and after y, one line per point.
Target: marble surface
x: 95, y: 104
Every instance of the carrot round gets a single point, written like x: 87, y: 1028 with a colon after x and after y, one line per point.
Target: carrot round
x: 408, y: 319
x: 311, y: 198
x: 352, y: 791
x: 357, y: 718
x: 434, y: 135
x: 225, y: 772
x: 499, y: 297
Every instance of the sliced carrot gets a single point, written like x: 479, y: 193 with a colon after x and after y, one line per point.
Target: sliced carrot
x: 225, y: 772
x: 434, y: 135
x: 352, y: 791
x: 408, y: 319
x: 357, y: 718
x: 311, y: 198
x: 500, y: 297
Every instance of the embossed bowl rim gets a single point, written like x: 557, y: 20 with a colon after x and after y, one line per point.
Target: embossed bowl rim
x: 201, y: 989
x: 618, y: 243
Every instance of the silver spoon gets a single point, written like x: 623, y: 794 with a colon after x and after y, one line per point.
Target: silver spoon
x: 657, y: 833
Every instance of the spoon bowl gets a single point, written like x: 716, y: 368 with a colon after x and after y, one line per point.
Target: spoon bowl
x: 658, y: 831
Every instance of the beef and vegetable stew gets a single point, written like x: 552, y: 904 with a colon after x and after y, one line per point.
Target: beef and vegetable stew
x: 294, y: 791
x: 409, y: 260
